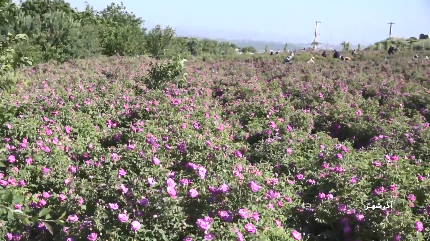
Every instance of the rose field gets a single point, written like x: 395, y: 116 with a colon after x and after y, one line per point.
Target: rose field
x: 244, y: 148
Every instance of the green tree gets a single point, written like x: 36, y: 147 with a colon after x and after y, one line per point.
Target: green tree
x: 57, y: 31
x: 343, y: 45
x: 89, y: 16
x: 42, y: 7
x: 10, y: 58
x: 59, y: 37
x: 347, y: 46
x: 227, y: 48
x: 266, y: 49
x: 194, y: 47
x: 179, y: 46
x: 210, y: 46
x: 9, y: 15
x: 121, y: 32
x: 315, y: 44
x: 159, y: 39
x: 286, y: 47
x: 249, y: 49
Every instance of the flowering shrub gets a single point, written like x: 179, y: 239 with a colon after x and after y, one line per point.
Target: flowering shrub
x: 161, y: 73
x: 244, y: 150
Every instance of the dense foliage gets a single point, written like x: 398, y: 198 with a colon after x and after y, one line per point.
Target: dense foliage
x: 59, y: 32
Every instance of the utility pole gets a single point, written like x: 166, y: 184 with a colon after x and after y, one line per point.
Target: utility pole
x: 316, y: 34
x: 391, y: 28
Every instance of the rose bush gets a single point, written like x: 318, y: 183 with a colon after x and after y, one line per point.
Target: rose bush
x: 244, y: 149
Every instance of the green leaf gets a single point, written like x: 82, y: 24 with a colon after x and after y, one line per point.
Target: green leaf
x: 18, y: 212
x: 44, y: 212
x: 25, y: 221
x: 8, y: 197
x: 2, y: 164
x: 60, y: 222
x: 49, y: 227
x: 34, y: 219
x: 420, y: 236
x: 10, y: 215
x: 18, y: 199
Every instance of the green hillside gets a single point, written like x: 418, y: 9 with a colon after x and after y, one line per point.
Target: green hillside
x: 411, y: 43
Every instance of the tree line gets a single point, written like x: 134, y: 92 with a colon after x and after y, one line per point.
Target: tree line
x: 56, y: 31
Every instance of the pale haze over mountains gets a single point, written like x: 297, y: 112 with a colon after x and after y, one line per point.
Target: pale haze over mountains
x: 242, y: 39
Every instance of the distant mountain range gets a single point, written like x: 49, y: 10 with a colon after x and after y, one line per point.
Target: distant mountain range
x: 261, y: 45
x: 278, y: 46
x: 275, y: 46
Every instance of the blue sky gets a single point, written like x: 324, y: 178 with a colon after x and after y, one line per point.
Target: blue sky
x: 362, y: 22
